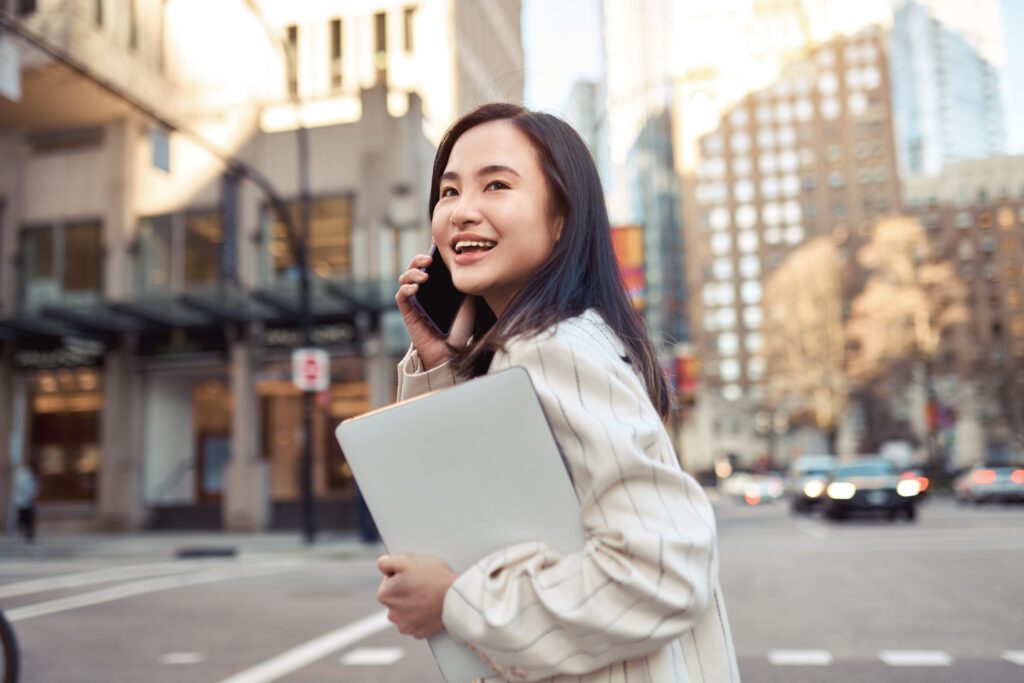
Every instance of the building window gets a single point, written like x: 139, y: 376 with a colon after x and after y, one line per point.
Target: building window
x: 292, y: 33
x: 407, y: 23
x: 380, y: 45
x: 330, y: 240
x: 180, y: 251
x: 336, y: 47
x: 728, y: 344
x: 62, y: 262
x: 133, y: 26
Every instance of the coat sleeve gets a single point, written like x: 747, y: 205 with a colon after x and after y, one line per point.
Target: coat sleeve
x: 413, y: 380
x: 649, y: 567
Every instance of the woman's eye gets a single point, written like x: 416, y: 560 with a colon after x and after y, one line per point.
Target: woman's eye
x: 496, y: 185
x: 448, y: 192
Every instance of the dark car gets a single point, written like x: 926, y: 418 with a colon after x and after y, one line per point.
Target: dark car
x: 870, y: 485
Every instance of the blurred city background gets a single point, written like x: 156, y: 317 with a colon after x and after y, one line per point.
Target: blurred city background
x: 818, y: 206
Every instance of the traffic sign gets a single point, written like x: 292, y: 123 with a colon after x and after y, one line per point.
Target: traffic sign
x: 311, y: 369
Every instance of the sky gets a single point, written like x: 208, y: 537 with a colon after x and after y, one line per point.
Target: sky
x: 1013, y: 23
x: 562, y: 43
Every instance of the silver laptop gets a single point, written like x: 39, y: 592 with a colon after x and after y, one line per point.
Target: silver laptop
x: 459, y: 474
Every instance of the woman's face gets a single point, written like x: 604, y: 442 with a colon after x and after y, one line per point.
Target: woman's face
x: 494, y: 223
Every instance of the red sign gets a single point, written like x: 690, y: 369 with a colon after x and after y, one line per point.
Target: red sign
x: 311, y: 369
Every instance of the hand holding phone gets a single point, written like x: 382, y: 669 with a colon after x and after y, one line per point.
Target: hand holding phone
x: 426, y: 315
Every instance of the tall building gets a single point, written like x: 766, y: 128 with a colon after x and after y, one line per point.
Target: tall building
x: 947, y: 101
x: 638, y: 39
x: 973, y: 213
x: 455, y: 54
x: 149, y: 290
x: 812, y: 155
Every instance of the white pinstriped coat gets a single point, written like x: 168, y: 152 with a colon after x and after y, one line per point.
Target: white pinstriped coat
x: 641, y: 602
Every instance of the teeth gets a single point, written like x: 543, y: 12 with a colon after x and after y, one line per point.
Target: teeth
x: 466, y: 244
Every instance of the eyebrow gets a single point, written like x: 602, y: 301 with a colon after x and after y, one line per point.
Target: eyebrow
x: 486, y: 170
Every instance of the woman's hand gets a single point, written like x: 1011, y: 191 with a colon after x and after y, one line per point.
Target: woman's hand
x: 432, y: 348
x: 413, y: 590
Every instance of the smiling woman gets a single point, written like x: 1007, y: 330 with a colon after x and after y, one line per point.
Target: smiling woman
x: 518, y: 216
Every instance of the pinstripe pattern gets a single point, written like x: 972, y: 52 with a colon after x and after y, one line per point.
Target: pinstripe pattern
x: 641, y: 602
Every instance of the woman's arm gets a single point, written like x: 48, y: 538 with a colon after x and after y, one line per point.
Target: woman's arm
x: 413, y: 380
x: 649, y: 567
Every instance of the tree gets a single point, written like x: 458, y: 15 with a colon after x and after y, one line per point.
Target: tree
x: 804, y: 341
x: 910, y: 301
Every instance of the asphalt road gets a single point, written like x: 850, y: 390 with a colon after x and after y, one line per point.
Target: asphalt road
x: 809, y: 600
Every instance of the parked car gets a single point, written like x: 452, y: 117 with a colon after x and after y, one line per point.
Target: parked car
x: 985, y: 484
x: 870, y: 485
x: 754, y: 489
x: 808, y: 476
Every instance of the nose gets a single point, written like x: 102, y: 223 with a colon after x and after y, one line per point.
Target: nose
x: 466, y: 211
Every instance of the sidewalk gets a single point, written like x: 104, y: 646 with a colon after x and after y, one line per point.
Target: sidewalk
x: 175, y: 544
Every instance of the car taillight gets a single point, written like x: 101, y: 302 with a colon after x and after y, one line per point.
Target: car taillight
x: 984, y: 476
x: 923, y: 483
x: 1017, y: 477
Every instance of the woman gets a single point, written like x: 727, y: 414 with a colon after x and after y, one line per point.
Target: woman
x: 518, y: 215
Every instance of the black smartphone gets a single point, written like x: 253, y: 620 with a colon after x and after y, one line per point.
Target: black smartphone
x: 437, y: 299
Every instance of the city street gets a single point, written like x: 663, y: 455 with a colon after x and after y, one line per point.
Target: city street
x: 809, y: 600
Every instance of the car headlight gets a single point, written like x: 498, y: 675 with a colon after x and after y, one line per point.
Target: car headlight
x: 814, y: 488
x: 841, y: 490
x: 908, y: 487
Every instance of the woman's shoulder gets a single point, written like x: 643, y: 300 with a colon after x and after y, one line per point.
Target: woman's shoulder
x: 586, y: 333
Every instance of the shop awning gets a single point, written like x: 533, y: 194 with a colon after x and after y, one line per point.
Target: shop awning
x: 34, y: 330
x: 163, y: 312
x: 99, y: 319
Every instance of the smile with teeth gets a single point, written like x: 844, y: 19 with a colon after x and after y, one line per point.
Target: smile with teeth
x: 464, y: 246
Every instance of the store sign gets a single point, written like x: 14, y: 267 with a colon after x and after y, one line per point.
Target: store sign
x: 311, y: 369
x: 334, y: 334
x: 74, y: 352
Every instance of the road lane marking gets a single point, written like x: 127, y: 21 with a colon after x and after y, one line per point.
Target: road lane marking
x: 88, y: 578
x: 307, y: 653
x: 373, y: 656
x: 145, y: 586
x: 813, y: 532
x: 915, y: 658
x: 176, y: 658
x: 800, y: 657
x: 1015, y: 656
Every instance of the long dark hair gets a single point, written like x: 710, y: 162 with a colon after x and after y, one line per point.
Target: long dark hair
x: 581, y: 271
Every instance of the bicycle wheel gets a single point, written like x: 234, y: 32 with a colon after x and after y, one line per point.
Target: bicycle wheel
x: 8, y: 651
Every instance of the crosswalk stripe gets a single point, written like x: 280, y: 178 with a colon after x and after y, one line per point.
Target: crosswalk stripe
x: 800, y: 657
x: 307, y: 653
x: 915, y: 658
x: 373, y: 656
x: 146, y: 586
x: 1015, y: 656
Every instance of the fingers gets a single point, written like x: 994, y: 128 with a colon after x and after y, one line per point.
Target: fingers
x: 409, y: 281
x: 390, y: 564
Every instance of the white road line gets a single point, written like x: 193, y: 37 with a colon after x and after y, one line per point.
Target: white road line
x: 813, y: 531
x: 175, y: 658
x: 307, y: 653
x: 373, y: 656
x: 97, y: 576
x: 1015, y: 656
x: 915, y: 658
x: 146, y: 586
x: 800, y: 657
